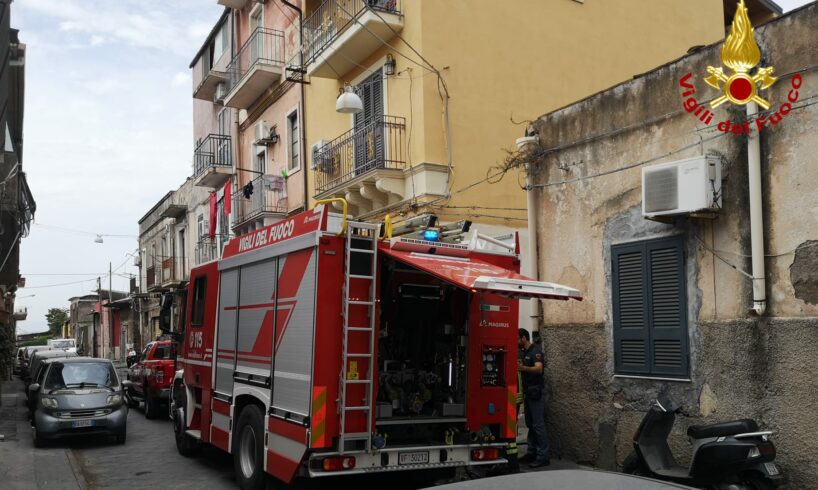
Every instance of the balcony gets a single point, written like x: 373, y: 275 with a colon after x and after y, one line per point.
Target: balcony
x: 174, y: 272
x: 233, y: 4
x: 213, y: 161
x: 335, y: 39
x: 268, y: 201
x: 206, y: 250
x: 258, y: 66
x: 209, y: 80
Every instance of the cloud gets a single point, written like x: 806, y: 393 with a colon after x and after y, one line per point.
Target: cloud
x: 181, y: 79
x: 149, y: 23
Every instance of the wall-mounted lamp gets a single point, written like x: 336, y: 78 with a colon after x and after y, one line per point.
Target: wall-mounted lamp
x: 348, y: 102
x: 389, y: 66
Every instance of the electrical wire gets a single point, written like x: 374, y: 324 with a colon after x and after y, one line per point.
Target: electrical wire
x: 716, y: 255
x: 60, y: 284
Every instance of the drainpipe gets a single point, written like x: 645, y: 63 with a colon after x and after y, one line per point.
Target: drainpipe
x: 303, y: 98
x: 756, y: 217
x: 533, y: 268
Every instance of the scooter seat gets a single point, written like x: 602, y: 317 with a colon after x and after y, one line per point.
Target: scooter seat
x: 722, y: 429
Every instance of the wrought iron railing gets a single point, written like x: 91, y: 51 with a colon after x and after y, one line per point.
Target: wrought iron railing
x: 378, y: 143
x: 174, y: 270
x: 263, y: 46
x: 269, y: 196
x: 333, y: 16
x: 213, y: 151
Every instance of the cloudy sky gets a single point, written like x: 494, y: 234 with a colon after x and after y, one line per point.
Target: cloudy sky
x: 107, y: 132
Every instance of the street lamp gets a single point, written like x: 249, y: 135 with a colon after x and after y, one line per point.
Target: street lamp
x: 349, y: 102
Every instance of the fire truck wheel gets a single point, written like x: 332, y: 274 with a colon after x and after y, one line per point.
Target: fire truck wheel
x: 186, y: 445
x: 247, y: 449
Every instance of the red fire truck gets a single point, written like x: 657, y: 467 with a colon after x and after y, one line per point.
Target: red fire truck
x: 315, y: 347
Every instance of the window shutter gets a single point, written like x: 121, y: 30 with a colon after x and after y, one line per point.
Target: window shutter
x: 668, y: 307
x: 631, y: 334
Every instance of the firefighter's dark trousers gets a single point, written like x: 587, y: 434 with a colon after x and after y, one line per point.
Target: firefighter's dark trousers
x: 535, y: 421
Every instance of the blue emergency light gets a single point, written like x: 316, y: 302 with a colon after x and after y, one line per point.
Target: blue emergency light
x: 431, y: 235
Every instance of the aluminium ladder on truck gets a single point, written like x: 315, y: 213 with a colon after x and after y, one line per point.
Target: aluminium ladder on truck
x: 361, y: 241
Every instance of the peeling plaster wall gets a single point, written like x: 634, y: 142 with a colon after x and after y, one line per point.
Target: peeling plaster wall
x: 740, y: 366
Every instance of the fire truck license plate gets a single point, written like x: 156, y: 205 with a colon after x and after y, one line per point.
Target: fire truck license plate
x: 413, y: 458
x: 83, y: 423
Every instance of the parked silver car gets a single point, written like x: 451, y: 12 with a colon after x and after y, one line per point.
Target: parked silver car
x: 80, y: 395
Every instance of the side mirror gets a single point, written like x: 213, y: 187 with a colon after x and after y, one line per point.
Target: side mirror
x: 127, y: 383
x: 34, y: 387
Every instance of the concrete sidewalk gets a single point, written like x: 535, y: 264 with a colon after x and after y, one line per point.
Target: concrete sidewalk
x: 22, y: 466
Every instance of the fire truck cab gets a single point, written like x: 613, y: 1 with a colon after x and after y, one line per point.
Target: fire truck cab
x: 317, y: 347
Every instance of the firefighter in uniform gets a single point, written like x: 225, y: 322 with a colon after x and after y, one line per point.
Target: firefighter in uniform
x: 530, y: 365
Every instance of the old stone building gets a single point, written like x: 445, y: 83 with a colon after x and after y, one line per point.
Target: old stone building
x: 697, y: 338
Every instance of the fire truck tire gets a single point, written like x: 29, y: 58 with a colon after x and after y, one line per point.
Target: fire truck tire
x: 248, y: 446
x: 186, y: 446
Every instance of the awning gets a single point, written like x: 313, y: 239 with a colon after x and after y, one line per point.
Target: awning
x: 475, y: 274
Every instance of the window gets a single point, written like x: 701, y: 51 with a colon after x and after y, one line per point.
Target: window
x: 650, y: 308
x: 224, y: 122
x: 220, y: 42
x: 261, y: 159
x: 292, y: 134
x: 197, y: 316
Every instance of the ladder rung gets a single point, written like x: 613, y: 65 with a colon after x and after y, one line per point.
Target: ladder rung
x: 367, y: 303
x: 357, y: 381
x: 356, y: 276
x: 359, y: 329
x: 360, y: 354
x: 361, y: 251
x: 360, y: 408
x: 356, y: 435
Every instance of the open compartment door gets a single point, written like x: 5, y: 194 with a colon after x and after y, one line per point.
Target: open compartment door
x: 474, y: 274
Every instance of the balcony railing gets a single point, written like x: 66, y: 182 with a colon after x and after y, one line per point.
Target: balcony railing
x: 269, y: 197
x: 264, y: 46
x: 206, y: 250
x: 213, y: 151
x: 174, y: 270
x: 377, y: 144
x: 332, y: 17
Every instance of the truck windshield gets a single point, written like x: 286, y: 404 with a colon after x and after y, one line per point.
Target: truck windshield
x: 81, y: 375
x: 162, y: 352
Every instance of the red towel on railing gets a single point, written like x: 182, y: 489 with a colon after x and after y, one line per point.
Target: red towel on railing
x: 228, y: 196
x: 213, y: 205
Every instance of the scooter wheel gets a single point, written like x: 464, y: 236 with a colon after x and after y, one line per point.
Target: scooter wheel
x: 634, y: 466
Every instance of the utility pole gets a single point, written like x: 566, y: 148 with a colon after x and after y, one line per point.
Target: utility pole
x: 111, y: 306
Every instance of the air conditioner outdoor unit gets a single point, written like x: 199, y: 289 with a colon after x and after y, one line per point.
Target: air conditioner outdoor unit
x: 316, y: 149
x: 682, y: 187
x: 262, y: 132
x: 220, y: 93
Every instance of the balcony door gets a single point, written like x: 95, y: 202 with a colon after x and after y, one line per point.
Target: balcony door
x: 256, y: 39
x: 369, y: 145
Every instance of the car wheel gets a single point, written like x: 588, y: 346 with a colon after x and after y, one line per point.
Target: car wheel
x: 757, y: 481
x: 151, y: 405
x: 38, y: 441
x: 121, y: 437
x: 186, y: 446
x: 248, y: 460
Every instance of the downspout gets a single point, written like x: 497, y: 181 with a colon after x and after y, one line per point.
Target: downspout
x: 533, y: 268
x: 303, y: 98
x: 756, y: 216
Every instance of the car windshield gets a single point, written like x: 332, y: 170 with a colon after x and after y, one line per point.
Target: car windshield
x: 62, y: 344
x: 81, y: 375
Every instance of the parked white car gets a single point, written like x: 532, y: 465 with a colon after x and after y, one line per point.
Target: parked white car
x: 69, y: 345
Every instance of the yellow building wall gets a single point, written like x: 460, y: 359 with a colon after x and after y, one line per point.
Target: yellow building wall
x: 510, y: 60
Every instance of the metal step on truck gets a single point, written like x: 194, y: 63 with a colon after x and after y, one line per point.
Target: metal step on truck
x: 320, y: 346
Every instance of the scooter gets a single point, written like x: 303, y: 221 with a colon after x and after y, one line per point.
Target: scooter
x: 733, y: 455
